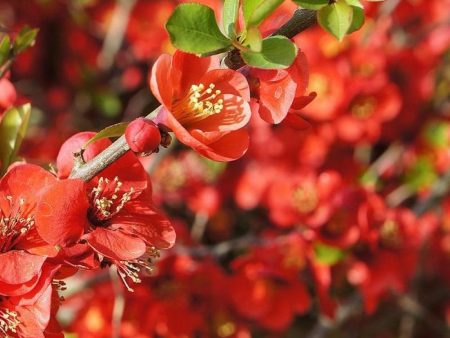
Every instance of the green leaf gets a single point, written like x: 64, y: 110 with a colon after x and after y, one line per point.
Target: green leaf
x: 312, y: 4
x: 358, y: 15
x: 229, y: 17
x: 255, y: 11
x: 193, y: 28
x: 114, y: 130
x: 277, y: 52
x: 5, y: 47
x: 253, y: 39
x: 436, y: 134
x: 24, y: 39
x: 328, y: 255
x: 108, y: 103
x: 13, y: 127
x: 421, y: 174
x: 336, y: 18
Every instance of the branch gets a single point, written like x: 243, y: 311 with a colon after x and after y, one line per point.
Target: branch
x: 116, y: 33
x: 301, y: 20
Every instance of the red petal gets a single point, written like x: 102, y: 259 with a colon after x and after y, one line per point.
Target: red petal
x: 24, y: 181
x: 129, y: 171
x: 275, y: 99
x: 235, y: 114
x: 230, y: 147
x: 141, y: 220
x: 61, y: 215
x: 116, y: 245
x: 64, y: 161
x: 159, y: 80
x: 187, y: 70
x: 228, y: 82
x: 19, y: 267
x: 293, y: 120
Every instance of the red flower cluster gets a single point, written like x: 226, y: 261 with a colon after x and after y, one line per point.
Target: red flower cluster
x: 342, y: 224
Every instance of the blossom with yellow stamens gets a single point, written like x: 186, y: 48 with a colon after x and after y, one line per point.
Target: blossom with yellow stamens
x: 206, y: 107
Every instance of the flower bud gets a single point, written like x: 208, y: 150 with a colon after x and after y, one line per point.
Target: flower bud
x: 143, y: 136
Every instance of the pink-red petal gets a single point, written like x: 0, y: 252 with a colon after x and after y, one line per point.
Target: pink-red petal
x: 116, y: 245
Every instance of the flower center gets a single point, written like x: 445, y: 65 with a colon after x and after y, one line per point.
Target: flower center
x: 14, y: 223
x: 8, y: 322
x: 390, y: 234
x: 363, y: 108
x: 106, y: 200
x: 200, y: 103
x: 305, y: 199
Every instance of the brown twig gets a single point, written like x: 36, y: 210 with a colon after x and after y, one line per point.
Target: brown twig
x: 116, y: 32
x: 301, y: 20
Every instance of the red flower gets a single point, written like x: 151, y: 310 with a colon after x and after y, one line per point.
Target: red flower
x: 266, y: 286
x: 29, y: 197
x: 124, y: 227
x: 282, y: 91
x: 205, y: 107
x: 28, y: 315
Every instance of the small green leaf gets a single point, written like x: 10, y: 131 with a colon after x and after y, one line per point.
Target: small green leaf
x: 108, y: 103
x: 5, y: 47
x: 13, y: 127
x: 358, y: 15
x: 229, y: 17
x: 328, y: 255
x: 255, y: 11
x: 421, y: 174
x: 24, y: 39
x: 336, y: 18
x: 253, y: 39
x: 114, y: 130
x: 436, y: 134
x: 193, y: 28
x: 312, y: 4
x: 277, y: 52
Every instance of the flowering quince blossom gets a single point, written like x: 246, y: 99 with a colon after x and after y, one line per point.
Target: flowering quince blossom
x: 282, y: 93
x: 25, y: 238
x: 206, y: 107
x: 25, y: 272
x: 266, y: 287
x: 29, y: 315
x: 123, y: 226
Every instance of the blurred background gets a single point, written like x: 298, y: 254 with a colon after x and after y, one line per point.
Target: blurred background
x: 264, y: 247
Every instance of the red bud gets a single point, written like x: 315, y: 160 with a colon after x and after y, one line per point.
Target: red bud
x: 143, y: 136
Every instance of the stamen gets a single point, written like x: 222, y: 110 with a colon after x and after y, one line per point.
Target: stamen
x: 200, y: 103
x: 8, y: 322
x: 106, y: 200
x: 16, y: 223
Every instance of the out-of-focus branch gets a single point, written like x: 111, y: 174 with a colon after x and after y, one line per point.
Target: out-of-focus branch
x: 301, y: 20
x: 439, y: 189
x: 115, y: 33
x: 119, y: 303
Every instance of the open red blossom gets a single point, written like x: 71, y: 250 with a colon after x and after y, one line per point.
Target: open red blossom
x: 32, y: 221
x: 266, y: 287
x: 283, y: 91
x: 28, y: 315
x: 124, y: 227
x: 204, y: 106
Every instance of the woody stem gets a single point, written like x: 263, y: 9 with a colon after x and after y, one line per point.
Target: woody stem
x: 301, y: 20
